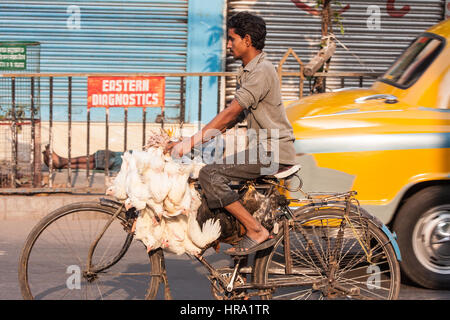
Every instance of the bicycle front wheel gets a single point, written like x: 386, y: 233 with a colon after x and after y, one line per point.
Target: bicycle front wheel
x: 331, y: 257
x: 53, y: 263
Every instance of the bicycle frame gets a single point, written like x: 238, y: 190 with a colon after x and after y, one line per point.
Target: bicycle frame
x: 123, y: 250
x: 286, y: 217
x: 314, y: 201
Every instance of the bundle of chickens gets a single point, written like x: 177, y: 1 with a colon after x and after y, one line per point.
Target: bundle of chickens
x: 159, y: 188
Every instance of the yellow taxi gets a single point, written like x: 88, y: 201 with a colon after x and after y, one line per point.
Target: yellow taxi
x: 390, y: 143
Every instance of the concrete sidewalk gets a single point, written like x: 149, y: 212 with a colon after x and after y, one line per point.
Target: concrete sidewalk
x: 35, y: 203
x: 34, y: 207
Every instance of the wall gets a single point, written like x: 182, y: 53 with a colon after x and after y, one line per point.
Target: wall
x: 206, y: 31
x: 119, y: 36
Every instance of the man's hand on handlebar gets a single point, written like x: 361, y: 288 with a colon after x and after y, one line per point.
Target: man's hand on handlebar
x: 177, y: 149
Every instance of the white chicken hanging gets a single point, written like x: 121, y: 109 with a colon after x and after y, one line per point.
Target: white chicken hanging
x: 118, y: 188
x: 158, y: 187
x: 137, y: 191
x: 148, y: 230
x: 156, y: 180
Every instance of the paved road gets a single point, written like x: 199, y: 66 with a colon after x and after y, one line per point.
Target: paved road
x: 185, y: 275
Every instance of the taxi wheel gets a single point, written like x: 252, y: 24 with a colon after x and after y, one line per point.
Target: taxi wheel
x: 423, y: 229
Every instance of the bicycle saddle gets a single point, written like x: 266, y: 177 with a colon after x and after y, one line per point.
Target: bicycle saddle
x: 287, y: 171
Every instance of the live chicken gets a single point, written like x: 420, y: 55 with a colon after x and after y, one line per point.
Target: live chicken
x: 160, y: 190
x: 118, y: 188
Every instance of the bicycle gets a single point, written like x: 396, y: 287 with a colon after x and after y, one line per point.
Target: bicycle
x: 326, y: 248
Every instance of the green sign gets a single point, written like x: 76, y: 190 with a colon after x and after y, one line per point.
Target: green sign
x: 13, y: 58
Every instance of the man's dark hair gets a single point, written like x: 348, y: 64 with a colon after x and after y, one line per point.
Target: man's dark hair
x: 246, y: 23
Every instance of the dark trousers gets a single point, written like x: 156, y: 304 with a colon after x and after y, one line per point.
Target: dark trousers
x: 215, y: 178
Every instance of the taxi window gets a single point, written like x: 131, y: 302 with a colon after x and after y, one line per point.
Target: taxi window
x: 414, y: 61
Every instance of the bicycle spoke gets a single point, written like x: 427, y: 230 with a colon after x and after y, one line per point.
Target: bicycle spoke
x: 366, y: 276
x: 282, y: 266
x: 63, y: 239
x: 297, y: 252
x: 342, y: 257
x: 360, y: 260
x: 115, y: 274
x: 350, y: 281
x: 324, y: 256
x: 327, y: 239
x: 298, y: 294
x: 65, y: 243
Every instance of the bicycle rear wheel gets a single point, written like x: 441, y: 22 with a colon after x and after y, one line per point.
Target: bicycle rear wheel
x: 332, y: 258
x: 53, y: 263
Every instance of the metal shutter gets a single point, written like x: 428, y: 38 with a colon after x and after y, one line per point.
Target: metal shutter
x: 113, y: 36
x: 288, y: 26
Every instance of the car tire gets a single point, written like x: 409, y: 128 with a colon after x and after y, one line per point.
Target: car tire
x: 422, y: 226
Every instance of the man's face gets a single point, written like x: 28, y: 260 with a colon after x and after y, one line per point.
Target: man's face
x: 237, y: 45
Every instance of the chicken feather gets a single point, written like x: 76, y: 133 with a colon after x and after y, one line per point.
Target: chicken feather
x: 118, y: 188
x: 137, y: 191
x: 158, y: 186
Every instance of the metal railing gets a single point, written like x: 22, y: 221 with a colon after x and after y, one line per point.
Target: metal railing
x: 181, y: 104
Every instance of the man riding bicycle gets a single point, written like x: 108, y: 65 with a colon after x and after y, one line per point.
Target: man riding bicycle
x: 271, y: 142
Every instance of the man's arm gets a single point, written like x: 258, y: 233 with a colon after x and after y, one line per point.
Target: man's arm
x: 220, y: 123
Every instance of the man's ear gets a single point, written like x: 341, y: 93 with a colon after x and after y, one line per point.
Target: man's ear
x: 248, y: 40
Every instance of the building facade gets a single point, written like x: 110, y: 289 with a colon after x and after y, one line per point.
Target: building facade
x: 190, y: 36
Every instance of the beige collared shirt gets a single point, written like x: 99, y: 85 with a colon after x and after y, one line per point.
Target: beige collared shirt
x: 258, y: 92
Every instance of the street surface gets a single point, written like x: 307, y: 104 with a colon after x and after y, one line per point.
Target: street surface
x: 186, y: 276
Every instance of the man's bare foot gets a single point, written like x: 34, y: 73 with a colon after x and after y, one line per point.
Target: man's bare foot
x: 256, y: 237
x: 56, y: 160
x: 260, y: 236
x: 248, y: 245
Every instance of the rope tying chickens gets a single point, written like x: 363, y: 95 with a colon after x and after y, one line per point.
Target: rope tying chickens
x: 158, y: 187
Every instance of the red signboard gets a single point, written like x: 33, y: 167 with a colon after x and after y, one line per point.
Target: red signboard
x: 105, y: 92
